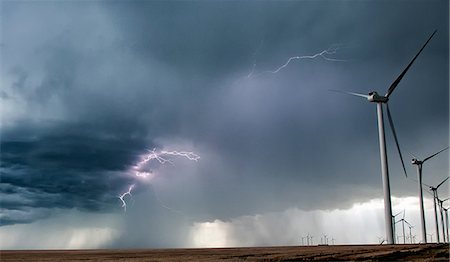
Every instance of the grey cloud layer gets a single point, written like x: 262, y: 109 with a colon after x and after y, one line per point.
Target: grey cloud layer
x: 89, y: 86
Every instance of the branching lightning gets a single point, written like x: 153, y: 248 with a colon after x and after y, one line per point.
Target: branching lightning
x: 325, y: 54
x: 141, y: 170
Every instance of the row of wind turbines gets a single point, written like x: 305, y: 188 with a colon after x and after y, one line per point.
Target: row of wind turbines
x: 381, y: 100
x: 324, y: 240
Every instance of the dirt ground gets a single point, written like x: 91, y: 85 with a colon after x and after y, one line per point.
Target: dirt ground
x: 427, y: 252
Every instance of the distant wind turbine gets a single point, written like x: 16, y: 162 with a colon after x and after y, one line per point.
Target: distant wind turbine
x: 403, y: 226
x: 393, y: 221
x: 435, y: 197
x: 380, y: 100
x: 446, y: 222
x: 441, y: 209
x: 410, y: 234
x: 431, y: 237
x: 419, y: 164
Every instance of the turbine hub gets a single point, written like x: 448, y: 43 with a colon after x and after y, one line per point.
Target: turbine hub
x: 376, y: 98
x: 416, y: 161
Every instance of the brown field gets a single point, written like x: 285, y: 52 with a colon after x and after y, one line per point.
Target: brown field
x: 416, y: 252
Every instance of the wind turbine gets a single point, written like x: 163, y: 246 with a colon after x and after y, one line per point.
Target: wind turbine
x: 380, y: 100
x: 431, y: 236
x: 435, y: 196
x: 309, y: 239
x: 441, y: 208
x: 398, y: 237
x: 410, y: 234
x: 446, y: 221
x: 393, y: 221
x: 303, y: 240
x: 403, y: 226
x: 419, y: 164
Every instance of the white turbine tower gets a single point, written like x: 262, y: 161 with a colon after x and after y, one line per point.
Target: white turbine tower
x: 446, y: 222
x: 380, y: 100
x: 419, y: 164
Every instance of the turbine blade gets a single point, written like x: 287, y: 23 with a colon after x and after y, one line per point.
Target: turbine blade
x: 398, y: 213
x: 349, y: 93
x: 408, y: 223
x: 442, y: 182
x: 399, y: 78
x: 433, y: 155
x: 403, y: 214
x: 391, y: 123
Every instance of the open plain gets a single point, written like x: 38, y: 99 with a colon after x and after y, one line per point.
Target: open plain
x: 413, y: 252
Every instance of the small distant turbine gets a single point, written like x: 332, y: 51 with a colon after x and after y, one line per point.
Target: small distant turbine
x: 380, y: 100
x: 410, y: 233
x: 419, y: 164
x: 403, y: 220
x: 393, y: 221
x: 403, y: 226
x: 431, y: 237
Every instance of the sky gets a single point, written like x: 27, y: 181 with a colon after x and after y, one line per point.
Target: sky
x: 89, y: 87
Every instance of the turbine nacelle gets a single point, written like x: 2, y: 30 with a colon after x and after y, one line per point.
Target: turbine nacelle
x: 375, y: 97
x: 416, y: 161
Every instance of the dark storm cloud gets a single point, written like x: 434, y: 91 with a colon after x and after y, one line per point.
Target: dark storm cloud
x: 64, y: 169
x: 113, y: 78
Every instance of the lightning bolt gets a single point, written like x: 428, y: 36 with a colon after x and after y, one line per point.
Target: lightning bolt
x: 123, y: 195
x: 162, y: 157
x: 325, y: 54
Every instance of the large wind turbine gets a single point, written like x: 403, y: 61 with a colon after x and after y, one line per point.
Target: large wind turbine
x: 419, y: 163
x: 380, y: 100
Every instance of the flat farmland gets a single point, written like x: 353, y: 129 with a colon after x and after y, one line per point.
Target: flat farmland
x: 414, y: 252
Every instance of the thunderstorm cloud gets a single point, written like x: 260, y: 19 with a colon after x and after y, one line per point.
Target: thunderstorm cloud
x: 88, y: 87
